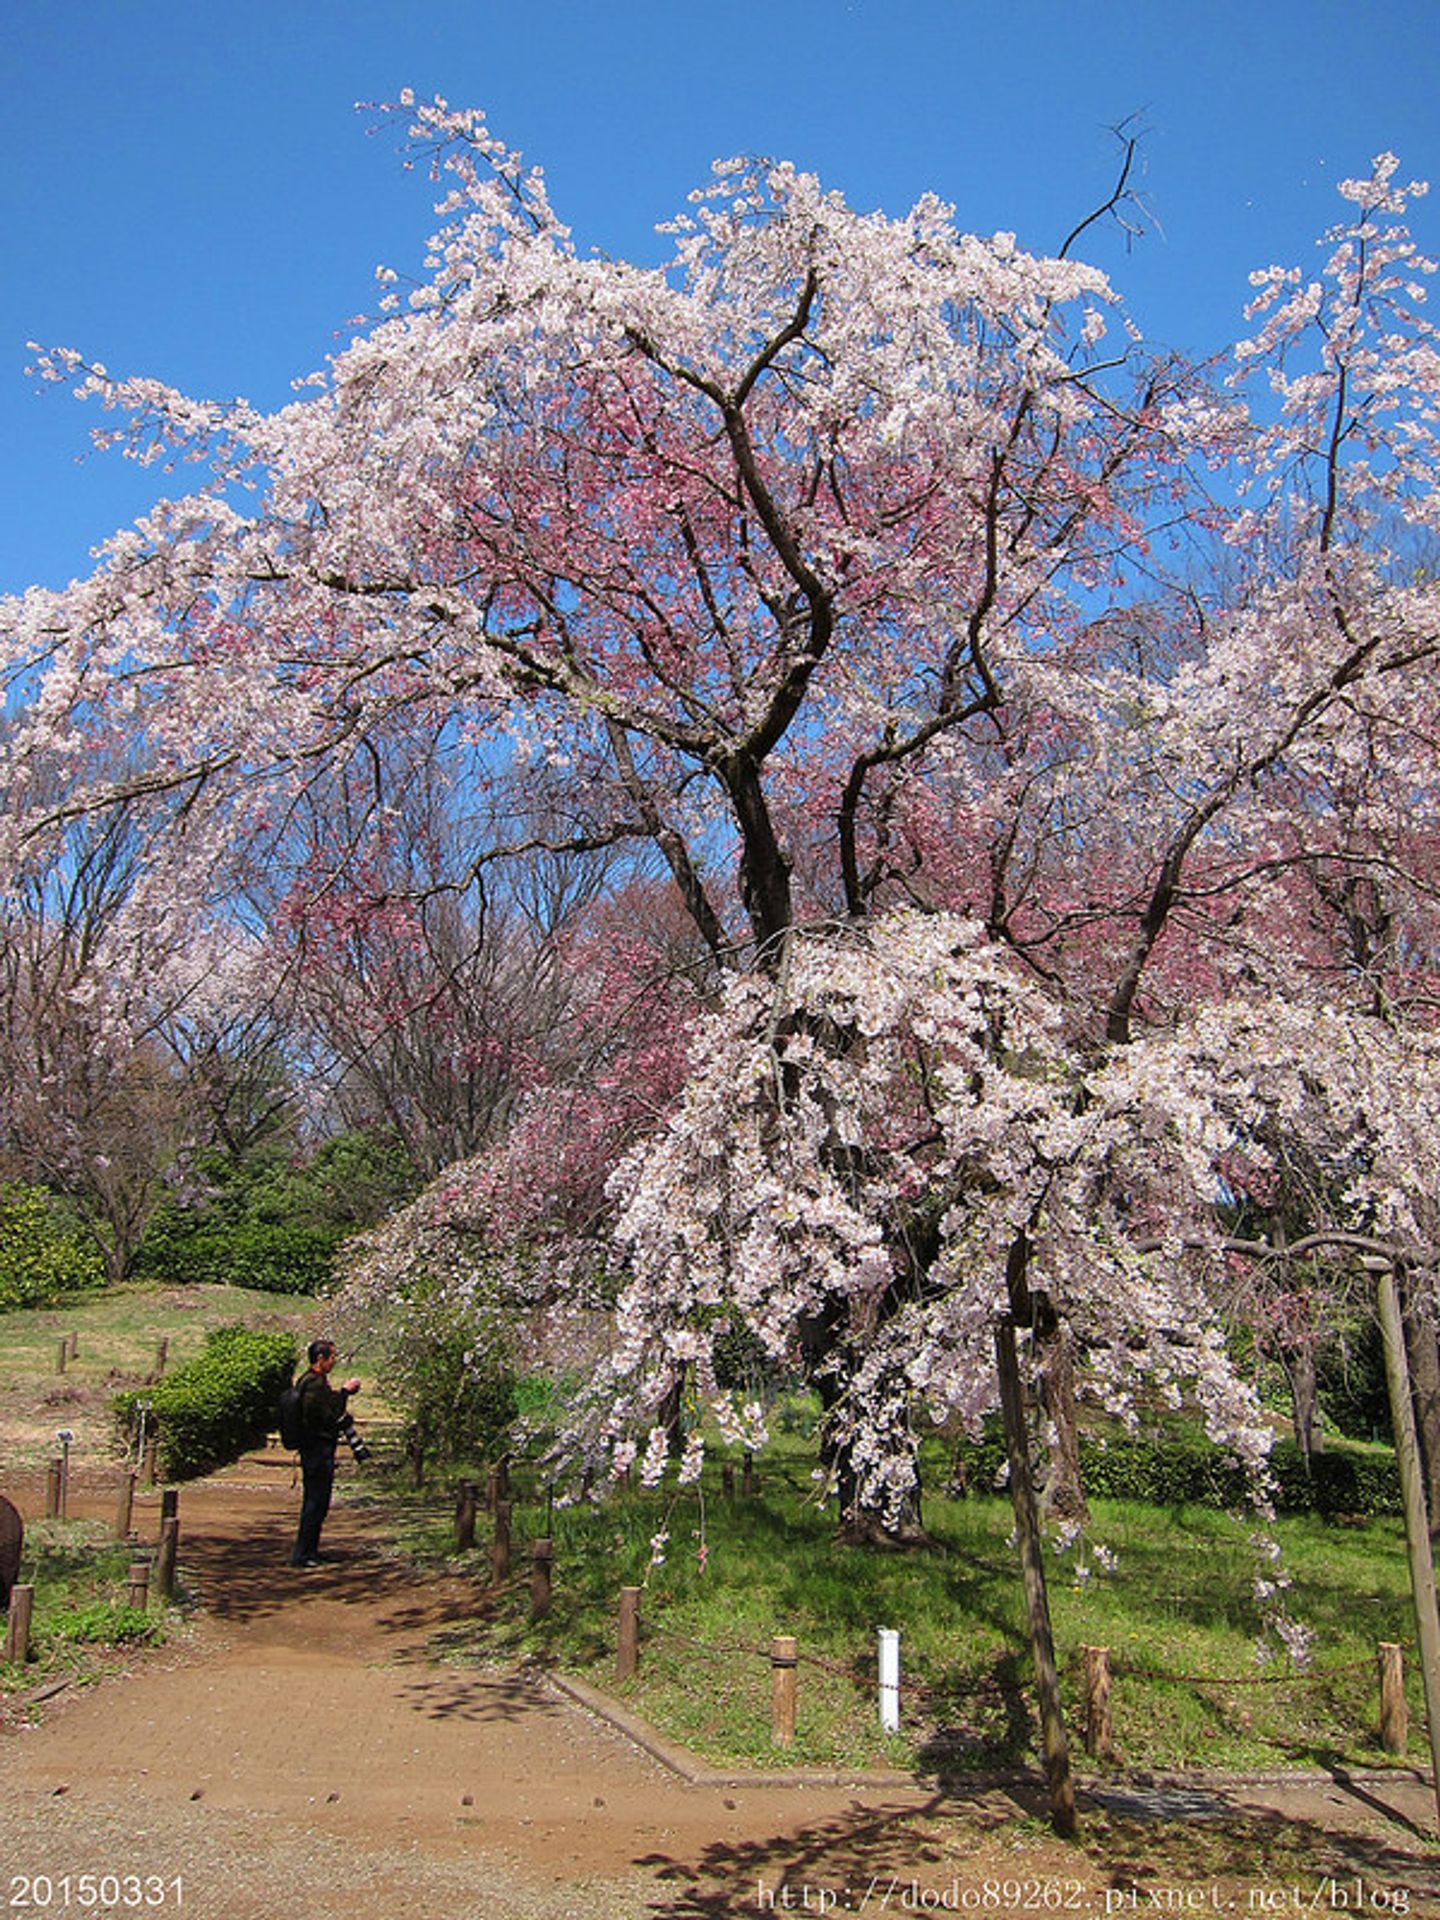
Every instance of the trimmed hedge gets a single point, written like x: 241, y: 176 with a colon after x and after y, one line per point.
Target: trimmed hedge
x: 1178, y: 1472
x: 218, y: 1405
x: 271, y: 1256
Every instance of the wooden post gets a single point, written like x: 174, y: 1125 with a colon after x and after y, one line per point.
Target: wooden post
x: 542, y: 1577
x: 1027, y: 1528
x: 151, y: 1467
x: 137, y: 1591
x: 75, y: 1345
x: 1099, y: 1734
x: 627, y: 1653
x: 62, y: 1353
x: 415, y: 1458
x: 1394, y: 1712
x: 165, y: 1558
x: 500, y: 1545
x: 502, y: 1485
x: 162, y: 1354
x: 727, y: 1479
x: 465, y: 1516
x: 169, y: 1504
x: 125, y: 1506
x: 17, y: 1631
x: 747, y: 1477
x: 54, y: 1479
x: 782, y: 1689
x: 1417, y: 1527
x: 493, y: 1495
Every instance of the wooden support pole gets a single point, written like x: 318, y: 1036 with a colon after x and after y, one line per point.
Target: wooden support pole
x: 137, y: 1589
x: 1027, y: 1528
x: 62, y: 1354
x: 75, y: 1345
x: 1099, y: 1733
x: 465, y: 1504
x: 747, y: 1477
x: 54, y: 1488
x: 151, y: 1467
x: 727, y: 1479
x: 542, y: 1577
x: 162, y: 1354
x: 783, y: 1662
x: 493, y: 1495
x: 627, y: 1651
x: 125, y: 1506
x: 17, y: 1629
x: 169, y: 1504
x: 1417, y: 1526
x: 1394, y: 1711
x: 165, y: 1558
x: 500, y: 1545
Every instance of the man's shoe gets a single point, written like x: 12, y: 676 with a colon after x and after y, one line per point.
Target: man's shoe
x: 311, y: 1562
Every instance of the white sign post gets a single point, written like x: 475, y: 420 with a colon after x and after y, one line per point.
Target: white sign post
x: 889, y: 1680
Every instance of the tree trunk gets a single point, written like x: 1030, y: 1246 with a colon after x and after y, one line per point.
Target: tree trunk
x: 1063, y: 1495
x: 863, y: 1526
x: 1032, y: 1563
x: 1305, y: 1399
x: 670, y: 1415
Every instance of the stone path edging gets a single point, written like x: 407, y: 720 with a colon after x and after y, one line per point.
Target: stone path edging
x: 694, y: 1772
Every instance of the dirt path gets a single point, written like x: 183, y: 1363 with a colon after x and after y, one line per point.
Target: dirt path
x: 302, y: 1740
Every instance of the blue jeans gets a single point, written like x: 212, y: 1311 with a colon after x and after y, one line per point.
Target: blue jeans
x: 317, y: 1467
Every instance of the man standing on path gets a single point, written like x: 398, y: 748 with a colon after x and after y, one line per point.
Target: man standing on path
x: 322, y: 1408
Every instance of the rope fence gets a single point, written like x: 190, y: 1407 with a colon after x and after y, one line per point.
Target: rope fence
x: 1097, y: 1675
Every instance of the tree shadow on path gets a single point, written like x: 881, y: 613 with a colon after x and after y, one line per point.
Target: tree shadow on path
x: 957, y: 1852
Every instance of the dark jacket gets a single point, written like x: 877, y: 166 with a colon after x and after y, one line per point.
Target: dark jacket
x: 321, y: 1408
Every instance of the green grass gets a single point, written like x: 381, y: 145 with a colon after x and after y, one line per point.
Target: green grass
x: 120, y: 1328
x: 1177, y: 1613
x: 81, y: 1619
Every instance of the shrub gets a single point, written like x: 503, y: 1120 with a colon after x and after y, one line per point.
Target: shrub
x: 271, y: 1222
x: 1358, y: 1480
x: 213, y: 1409
x: 443, y: 1365
x: 40, y: 1258
x: 1178, y: 1471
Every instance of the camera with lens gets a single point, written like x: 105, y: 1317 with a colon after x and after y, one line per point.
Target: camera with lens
x: 351, y: 1435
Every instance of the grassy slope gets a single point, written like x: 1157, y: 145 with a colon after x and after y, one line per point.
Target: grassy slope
x: 119, y: 1331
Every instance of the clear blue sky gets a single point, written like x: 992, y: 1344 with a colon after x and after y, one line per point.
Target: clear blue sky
x: 187, y: 191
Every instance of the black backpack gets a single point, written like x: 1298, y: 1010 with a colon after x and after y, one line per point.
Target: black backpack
x: 292, y: 1428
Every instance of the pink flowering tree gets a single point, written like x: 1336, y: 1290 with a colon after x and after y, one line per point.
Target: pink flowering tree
x: 885, y: 1150
x: 835, y: 565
